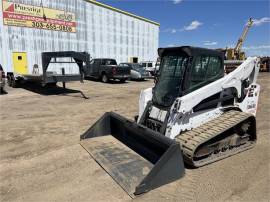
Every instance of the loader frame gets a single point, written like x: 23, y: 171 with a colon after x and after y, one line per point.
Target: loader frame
x: 50, y: 77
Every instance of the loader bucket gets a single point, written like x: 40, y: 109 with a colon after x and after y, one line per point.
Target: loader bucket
x: 137, y: 158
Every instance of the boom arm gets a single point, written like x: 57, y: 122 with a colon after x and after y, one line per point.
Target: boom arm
x: 247, y: 70
x: 243, y: 36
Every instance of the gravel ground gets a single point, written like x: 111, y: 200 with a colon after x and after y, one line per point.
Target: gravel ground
x: 41, y: 159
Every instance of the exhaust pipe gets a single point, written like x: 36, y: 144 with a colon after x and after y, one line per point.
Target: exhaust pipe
x: 137, y: 158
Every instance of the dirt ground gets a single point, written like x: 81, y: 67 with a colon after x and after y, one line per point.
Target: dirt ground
x: 41, y: 159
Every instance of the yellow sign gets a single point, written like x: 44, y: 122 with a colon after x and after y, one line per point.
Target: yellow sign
x: 22, y: 15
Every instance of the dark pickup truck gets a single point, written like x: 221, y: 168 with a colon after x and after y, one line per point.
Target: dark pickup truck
x: 106, y: 69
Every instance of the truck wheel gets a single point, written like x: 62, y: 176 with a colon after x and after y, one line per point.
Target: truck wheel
x: 122, y: 80
x: 104, y: 78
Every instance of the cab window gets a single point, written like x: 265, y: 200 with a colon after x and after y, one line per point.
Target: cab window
x: 198, y: 71
x: 205, y: 70
x: 213, y: 67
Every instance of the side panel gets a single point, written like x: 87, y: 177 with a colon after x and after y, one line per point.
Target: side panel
x: 101, y: 32
x: 145, y: 97
x: 114, y: 35
x: 34, y: 41
x: 250, y: 103
x: 189, y: 121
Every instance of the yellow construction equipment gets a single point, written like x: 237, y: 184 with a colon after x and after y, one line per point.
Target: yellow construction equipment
x: 236, y: 53
x: 234, y: 56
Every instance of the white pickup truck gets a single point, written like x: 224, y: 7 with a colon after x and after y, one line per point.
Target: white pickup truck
x: 149, y: 66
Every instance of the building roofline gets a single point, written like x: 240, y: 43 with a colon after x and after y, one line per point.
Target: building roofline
x: 122, y: 12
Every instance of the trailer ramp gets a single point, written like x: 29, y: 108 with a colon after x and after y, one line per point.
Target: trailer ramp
x: 137, y: 158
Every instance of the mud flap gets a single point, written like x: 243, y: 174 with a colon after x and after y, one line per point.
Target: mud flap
x: 137, y: 158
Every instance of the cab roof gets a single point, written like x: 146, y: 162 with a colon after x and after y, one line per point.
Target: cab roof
x: 189, y: 51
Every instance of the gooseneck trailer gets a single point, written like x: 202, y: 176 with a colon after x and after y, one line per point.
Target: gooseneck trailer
x: 52, y: 77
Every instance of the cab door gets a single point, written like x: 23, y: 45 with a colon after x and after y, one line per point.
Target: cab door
x: 96, y: 67
x: 20, y: 63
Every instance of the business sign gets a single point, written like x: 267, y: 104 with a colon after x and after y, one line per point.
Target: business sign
x: 22, y: 15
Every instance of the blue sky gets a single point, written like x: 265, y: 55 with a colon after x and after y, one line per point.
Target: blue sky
x: 212, y: 24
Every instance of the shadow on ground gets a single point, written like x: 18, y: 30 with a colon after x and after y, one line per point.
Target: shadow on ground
x: 51, y: 90
x: 3, y: 92
x: 109, y: 82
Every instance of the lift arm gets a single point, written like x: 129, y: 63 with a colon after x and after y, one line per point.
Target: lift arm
x: 243, y: 36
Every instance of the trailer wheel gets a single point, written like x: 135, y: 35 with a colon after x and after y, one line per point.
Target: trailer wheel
x: 104, y: 78
x: 54, y: 84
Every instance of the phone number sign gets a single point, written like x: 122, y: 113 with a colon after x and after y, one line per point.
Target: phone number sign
x: 22, y: 15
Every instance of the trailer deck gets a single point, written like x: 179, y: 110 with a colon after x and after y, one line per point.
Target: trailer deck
x: 52, y: 77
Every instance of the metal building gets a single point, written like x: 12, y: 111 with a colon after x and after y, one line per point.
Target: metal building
x: 29, y: 27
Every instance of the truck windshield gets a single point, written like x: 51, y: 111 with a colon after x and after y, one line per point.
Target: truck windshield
x: 136, y: 66
x: 169, y: 81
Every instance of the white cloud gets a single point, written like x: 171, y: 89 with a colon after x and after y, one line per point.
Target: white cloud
x: 193, y: 25
x: 166, y: 30
x: 171, y: 45
x: 260, y: 50
x: 230, y: 46
x: 177, y: 1
x: 210, y: 43
x: 256, y: 47
x: 173, y: 31
x: 258, y: 22
x: 170, y: 30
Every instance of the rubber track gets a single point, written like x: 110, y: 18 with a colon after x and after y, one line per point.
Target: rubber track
x: 192, y: 139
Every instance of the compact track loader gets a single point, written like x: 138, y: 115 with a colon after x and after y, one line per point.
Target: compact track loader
x: 194, y: 114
